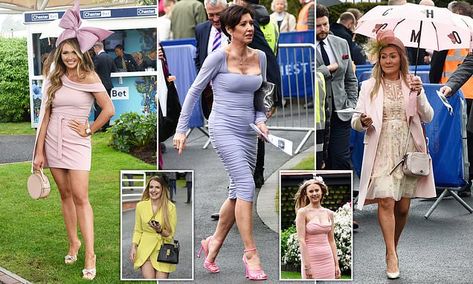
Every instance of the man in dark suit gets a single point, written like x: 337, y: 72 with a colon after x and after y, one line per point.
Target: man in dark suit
x: 209, y: 37
x: 273, y: 75
x: 333, y: 60
x: 104, y: 66
x: 124, y: 61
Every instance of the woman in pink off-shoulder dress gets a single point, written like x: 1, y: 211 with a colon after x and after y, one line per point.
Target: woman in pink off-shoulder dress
x: 63, y: 139
x: 315, y: 227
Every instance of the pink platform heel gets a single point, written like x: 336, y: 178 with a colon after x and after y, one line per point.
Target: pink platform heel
x: 255, y: 274
x: 211, y: 267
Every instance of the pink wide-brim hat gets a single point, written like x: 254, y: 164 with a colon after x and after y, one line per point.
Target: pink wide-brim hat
x: 387, y: 37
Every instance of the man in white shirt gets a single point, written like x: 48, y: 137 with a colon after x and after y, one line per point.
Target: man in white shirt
x: 209, y: 37
x: 333, y: 60
x: 209, y: 34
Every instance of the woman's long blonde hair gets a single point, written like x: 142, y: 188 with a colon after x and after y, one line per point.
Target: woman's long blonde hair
x: 84, y: 67
x: 377, y: 72
x: 163, y: 201
x: 301, y: 197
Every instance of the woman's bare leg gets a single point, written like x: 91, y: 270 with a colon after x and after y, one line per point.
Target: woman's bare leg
x: 401, y: 212
x: 244, y: 220
x: 85, y: 216
x: 162, y: 275
x: 387, y: 223
x: 148, y: 270
x: 61, y: 179
x: 225, y: 223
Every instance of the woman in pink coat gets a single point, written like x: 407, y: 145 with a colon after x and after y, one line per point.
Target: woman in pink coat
x: 387, y: 101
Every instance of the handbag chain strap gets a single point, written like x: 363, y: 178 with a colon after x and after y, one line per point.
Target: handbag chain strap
x: 407, y: 144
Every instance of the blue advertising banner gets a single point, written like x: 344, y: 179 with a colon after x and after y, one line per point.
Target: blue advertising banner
x: 297, y: 64
x: 130, y: 12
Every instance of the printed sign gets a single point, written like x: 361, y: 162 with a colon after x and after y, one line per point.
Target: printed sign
x: 129, y: 12
x: 120, y: 93
x: 96, y: 14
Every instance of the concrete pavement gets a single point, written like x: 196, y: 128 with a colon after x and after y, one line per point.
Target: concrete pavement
x: 434, y: 250
x: 16, y: 148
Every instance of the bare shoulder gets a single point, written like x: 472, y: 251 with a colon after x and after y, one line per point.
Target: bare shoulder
x: 301, y: 212
x: 91, y: 78
x: 329, y: 212
x: 254, y: 53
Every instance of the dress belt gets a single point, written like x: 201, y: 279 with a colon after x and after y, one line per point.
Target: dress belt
x: 60, y: 118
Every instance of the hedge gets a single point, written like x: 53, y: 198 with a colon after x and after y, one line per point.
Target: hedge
x: 14, y: 88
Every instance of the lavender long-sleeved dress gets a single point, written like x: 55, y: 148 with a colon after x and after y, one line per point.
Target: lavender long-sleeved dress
x: 232, y: 112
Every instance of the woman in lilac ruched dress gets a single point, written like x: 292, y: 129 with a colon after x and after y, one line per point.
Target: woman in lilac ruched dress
x: 235, y: 74
x: 315, y: 231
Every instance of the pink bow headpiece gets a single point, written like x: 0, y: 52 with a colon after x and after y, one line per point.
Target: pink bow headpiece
x: 86, y: 36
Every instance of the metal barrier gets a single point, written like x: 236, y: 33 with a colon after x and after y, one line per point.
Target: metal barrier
x: 297, y: 63
x: 133, y: 183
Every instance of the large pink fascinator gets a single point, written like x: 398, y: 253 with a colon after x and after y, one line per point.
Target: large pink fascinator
x: 86, y: 36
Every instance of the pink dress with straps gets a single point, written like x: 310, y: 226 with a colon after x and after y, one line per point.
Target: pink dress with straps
x: 65, y: 148
x: 320, y: 254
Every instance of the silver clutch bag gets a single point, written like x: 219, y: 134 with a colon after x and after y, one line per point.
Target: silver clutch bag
x: 264, y: 97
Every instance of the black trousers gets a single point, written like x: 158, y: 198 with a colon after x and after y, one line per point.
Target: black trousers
x: 339, y: 144
x: 469, y: 137
x: 260, y: 156
x: 98, y: 110
x: 189, y: 191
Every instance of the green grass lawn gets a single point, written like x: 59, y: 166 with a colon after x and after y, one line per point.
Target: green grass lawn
x: 297, y: 275
x: 33, y: 239
x: 306, y: 164
x: 22, y: 128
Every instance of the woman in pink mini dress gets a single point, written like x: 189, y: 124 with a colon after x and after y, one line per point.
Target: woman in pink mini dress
x: 63, y: 138
x: 315, y: 226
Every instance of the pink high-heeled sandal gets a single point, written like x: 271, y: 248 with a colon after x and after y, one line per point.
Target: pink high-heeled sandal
x: 255, y: 274
x: 212, y: 267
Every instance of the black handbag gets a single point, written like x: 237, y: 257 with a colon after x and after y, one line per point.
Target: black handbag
x: 264, y: 97
x: 169, y: 253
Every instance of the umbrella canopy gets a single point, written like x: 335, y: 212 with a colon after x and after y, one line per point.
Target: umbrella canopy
x: 466, y: 22
x: 417, y: 26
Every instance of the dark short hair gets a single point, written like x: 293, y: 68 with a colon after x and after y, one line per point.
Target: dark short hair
x: 462, y: 8
x: 119, y: 46
x: 321, y: 11
x: 231, y: 16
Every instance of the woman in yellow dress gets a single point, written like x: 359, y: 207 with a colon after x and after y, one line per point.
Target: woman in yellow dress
x: 155, y: 224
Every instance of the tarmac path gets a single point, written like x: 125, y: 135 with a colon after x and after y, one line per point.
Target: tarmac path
x: 210, y: 191
x: 16, y: 148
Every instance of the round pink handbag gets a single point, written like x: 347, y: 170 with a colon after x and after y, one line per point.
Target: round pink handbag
x: 38, y: 185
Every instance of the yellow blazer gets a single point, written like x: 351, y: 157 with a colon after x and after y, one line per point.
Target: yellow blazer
x: 148, y: 241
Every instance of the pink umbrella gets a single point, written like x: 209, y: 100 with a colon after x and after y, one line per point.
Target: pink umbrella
x: 417, y: 26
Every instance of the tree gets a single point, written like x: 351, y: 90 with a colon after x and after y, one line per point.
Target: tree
x: 148, y: 2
